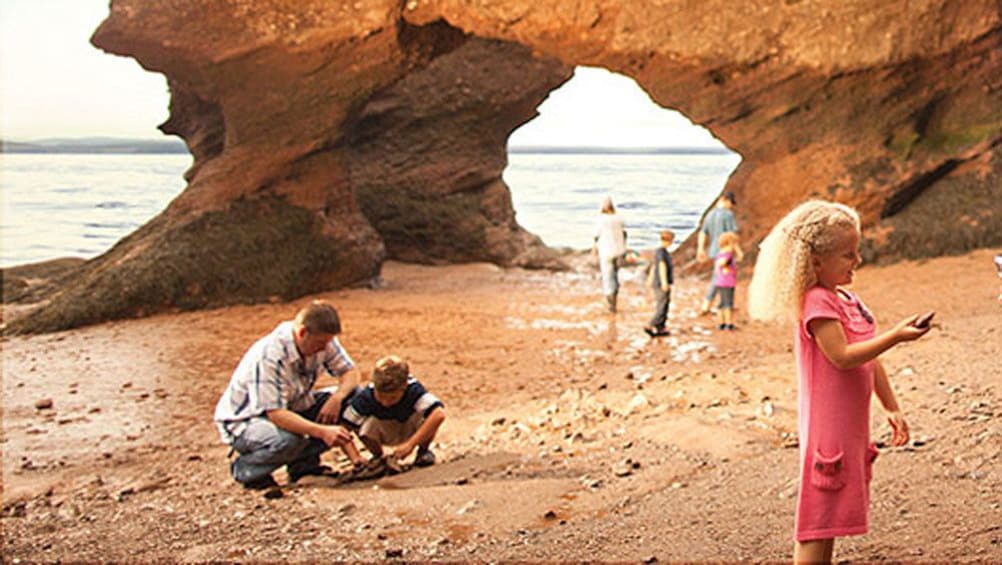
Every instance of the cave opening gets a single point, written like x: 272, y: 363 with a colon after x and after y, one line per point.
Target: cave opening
x: 600, y: 133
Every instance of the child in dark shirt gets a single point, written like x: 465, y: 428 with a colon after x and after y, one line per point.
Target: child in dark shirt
x: 660, y: 280
x: 395, y: 409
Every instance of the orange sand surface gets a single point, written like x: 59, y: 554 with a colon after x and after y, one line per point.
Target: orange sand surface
x: 571, y: 435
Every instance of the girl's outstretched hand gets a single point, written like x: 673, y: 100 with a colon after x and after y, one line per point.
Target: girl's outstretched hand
x: 905, y: 330
x: 900, y: 428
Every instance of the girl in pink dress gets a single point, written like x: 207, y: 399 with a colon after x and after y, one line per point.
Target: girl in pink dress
x: 803, y: 266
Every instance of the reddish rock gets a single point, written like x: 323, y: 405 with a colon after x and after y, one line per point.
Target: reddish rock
x: 328, y: 136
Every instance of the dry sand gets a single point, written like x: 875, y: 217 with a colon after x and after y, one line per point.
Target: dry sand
x: 570, y: 435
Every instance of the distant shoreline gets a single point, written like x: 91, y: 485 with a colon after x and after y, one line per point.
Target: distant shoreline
x: 116, y: 146
x: 97, y: 145
x: 621, y: 150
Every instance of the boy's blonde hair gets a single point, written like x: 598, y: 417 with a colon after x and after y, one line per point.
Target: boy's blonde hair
x: 727, y: 239
x: 784, y: 270
x: 390, y: 374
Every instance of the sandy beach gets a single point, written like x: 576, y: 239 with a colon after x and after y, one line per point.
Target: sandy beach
x: 571, y: 435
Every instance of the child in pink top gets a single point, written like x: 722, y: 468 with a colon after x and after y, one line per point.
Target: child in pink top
x: 725, y: 276
x: 802, y: 267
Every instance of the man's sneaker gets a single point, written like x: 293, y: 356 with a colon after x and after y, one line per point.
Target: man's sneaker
x: 425, y: 458
x: 263, y: 483
x: 296, y: 473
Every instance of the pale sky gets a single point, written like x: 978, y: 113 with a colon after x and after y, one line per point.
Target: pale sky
x: 54, y: 83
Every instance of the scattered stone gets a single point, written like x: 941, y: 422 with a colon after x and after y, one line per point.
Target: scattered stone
x: 650, y: 559
x: 43, y: 404
x: 273, y: 493
x: 636, y: 403
x: 468, y: 507
x: 498, y: 421
x: 625, y: 468
x: 17, y: 509
x: 550, y: 515
x: 123, y: 494
x: 677, y: 485
x: 394, y: 553
x: 979, y: 407
x: 767, y: 408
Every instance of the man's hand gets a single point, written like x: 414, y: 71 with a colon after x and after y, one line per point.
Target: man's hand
x: 334, y: 435
x: 330, y: 410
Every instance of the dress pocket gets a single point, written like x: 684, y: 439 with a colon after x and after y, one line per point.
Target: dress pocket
x: 871, y: 455
x: 826, y: 472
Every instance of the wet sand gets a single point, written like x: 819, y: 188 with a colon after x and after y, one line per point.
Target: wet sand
x: 571, y: 434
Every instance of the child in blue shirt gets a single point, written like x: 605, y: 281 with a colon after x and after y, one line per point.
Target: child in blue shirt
x: 395, y: 409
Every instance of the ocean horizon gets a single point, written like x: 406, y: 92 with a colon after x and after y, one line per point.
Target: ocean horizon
x: 79, y: 204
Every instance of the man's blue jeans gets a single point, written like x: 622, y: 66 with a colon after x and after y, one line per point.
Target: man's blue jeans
x: 264, y: 447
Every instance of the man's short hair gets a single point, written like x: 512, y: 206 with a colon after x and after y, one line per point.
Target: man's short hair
x: 667, y: 235
x: 730, y: 196
x: 390, y: 374
x: 319, y: 318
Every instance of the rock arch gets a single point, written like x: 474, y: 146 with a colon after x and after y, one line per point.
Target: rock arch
x: 330, y: 135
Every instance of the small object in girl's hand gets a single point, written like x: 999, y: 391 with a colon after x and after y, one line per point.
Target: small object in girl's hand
x: 924, y: 319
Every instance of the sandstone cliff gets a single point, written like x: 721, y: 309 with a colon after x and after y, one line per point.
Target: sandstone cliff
x: 328, y: 135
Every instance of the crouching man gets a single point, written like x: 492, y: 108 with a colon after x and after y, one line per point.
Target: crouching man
x: 270, y: 413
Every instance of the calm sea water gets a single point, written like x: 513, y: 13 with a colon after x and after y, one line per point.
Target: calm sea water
x: 558, y: 196
x: 59, y: 205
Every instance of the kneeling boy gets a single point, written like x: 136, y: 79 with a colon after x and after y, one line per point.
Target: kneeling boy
x: 395, y: 409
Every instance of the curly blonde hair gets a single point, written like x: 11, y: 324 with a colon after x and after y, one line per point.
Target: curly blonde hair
x: 784, y: 271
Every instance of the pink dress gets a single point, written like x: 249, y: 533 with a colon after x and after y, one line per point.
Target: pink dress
x: 836, y: 455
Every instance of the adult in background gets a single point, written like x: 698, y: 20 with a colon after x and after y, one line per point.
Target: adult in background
x: 719, y: 220
x: 610, y: 247
x: 270, y: 413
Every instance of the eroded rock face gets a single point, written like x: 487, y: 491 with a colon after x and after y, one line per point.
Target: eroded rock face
x: 425, y: 155
x: 330, y: 135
